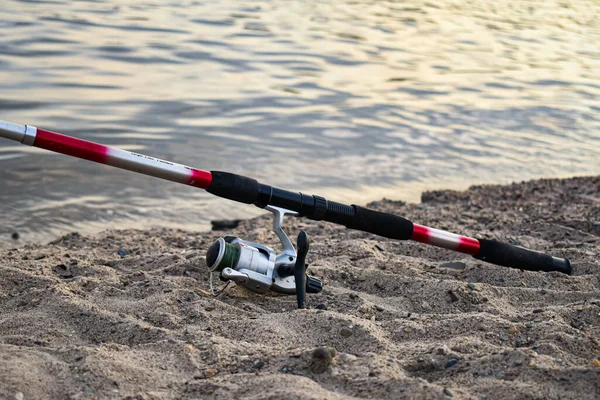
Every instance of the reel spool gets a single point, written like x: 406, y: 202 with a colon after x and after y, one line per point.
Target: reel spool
x: 259, y: 268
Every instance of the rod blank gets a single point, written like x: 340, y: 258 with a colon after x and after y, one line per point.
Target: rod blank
x: 246, y: 190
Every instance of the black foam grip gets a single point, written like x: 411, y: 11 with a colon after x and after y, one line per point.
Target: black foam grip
x: 234, y: 187
x: 320, y: 208
x: 339, y: 213
x: 511, y: 256
x: 382, y: 224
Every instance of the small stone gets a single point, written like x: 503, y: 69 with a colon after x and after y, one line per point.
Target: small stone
x: 225, y: 224
x: 15, y: 236
x: 531, y: 363
x: 589, y: 253
x: 19, y: 396
x: 287, y: 370
x: 122, y: 252
x: 444, y: 350
x: 451, y: 363
x: 453, y: 296
x: 206, y: 373
x: 346, y: 332
x: 529, y: 325
x: 321, y: 307
x: 453, y: 265
x: 321, y: 358
x: 63, y: 271
x: 596, y: 362
x: 543, y: 291
x: 258, y: 364
x: 425, y: 306
x: 500, y: 374
x: 448, y: 392
x: 38, y: 256
x: 346, y: 357
x: 353, y: 296
x: 209, y: 308
x: 190, y: 254
x: 297, y: 353
x: 379, y: 308
x: 472, y: 286
x: 513, y: 330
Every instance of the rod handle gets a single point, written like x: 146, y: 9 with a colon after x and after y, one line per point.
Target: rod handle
x: 507, y: 255
x: 382, y: 224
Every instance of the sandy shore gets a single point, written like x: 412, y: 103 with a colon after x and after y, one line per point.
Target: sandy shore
x: 80, y: 321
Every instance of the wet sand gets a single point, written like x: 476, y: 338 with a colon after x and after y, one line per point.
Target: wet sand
x: 80, y: 321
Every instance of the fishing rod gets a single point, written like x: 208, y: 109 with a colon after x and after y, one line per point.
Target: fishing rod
x: 258, y: 267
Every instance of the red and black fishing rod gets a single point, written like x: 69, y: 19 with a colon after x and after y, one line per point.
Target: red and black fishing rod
x: 246, y: 190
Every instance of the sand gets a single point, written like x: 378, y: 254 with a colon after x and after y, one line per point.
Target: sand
x: 80, y: 321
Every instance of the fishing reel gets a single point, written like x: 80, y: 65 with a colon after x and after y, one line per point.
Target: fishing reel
x: 259, y: 268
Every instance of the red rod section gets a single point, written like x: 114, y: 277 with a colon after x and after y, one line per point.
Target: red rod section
x: 70, y: 146
x: 445, y: 239
x: 140, y: 163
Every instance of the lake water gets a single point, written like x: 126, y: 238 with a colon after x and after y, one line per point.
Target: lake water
x: 351, y: 100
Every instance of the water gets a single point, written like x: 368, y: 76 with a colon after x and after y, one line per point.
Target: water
x: 352, y: 100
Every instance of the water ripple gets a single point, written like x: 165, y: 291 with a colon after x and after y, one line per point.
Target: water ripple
x: 338, y: 97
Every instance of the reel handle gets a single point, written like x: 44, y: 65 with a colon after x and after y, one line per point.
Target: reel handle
x: 302, y: 245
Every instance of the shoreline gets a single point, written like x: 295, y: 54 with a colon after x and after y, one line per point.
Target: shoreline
x: 42, y: 229
x: 82, y: 321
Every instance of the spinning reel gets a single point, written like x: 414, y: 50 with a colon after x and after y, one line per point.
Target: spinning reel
x: 259, y: 269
